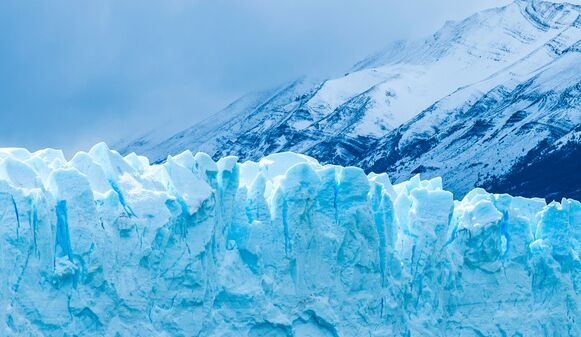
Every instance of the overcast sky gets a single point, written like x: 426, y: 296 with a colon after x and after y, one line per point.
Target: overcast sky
x: 73, y: 72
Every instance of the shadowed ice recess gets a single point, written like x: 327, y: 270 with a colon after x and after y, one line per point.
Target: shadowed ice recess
x: 105, y: 245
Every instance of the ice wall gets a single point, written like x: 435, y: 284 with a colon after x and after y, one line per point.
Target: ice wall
x: 105, y: 245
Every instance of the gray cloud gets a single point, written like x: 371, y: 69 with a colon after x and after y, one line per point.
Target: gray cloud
x: 73, y: 72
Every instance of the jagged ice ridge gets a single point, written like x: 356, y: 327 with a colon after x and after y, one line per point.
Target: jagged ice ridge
x: 105, y: 245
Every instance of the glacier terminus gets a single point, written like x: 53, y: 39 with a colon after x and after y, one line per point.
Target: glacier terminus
x: 111, y: 245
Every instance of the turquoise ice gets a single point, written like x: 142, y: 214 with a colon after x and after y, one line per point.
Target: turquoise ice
x: 105, y: 245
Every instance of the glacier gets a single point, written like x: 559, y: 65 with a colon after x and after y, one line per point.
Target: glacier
x: 111, y: 245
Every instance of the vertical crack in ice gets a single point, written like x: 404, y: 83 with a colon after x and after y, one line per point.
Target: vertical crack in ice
x: 504, y: 222
x: 335, y: 193
x: 121, y: 197
x: 453, y: 235
x: 63, y: 240
x: 287, y: 239
x: 33, y: 222
x: 17, y: 216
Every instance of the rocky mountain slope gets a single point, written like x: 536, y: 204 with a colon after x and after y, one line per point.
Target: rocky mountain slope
x: 471, y: 103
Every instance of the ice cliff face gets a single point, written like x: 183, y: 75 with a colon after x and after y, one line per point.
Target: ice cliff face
x: 475, y: 103
x: 105, y: 245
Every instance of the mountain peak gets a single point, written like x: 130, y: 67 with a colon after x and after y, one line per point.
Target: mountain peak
x: 547, y: 15
x: 402, y: 109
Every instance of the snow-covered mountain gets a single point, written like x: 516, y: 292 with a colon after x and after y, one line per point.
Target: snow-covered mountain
x: 474, y: 103
x: 482, y: 133
x: 106, y: 245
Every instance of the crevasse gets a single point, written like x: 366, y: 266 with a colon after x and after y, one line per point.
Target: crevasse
x: 114, y: 246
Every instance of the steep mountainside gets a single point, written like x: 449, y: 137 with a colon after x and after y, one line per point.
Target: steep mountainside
x: 469, y: 102
x: 476, y: 139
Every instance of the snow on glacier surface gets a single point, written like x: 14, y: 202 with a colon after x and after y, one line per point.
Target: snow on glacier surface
x: 105, y: 245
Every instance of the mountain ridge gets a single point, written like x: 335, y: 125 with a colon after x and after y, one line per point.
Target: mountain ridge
x: 343, y: 120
